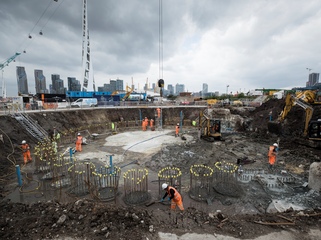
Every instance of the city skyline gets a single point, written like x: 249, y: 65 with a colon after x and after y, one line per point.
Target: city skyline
x: 249, y: 44
x: 58, y: 85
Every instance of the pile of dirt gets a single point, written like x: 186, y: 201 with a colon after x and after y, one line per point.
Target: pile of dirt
x: 85, y: 219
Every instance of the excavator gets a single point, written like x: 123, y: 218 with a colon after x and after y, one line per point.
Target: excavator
x: 210, y: 129
x: 129, y: 90
x: 312, y: 128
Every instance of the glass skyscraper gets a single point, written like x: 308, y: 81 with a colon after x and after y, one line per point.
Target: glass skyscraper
x: 22, y: 80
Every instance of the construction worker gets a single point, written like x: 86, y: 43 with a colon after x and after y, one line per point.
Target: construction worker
x: 78, y: 143
x: 173, y: 196
x: 272, y: 154
x: 158, y: 112
x: 151, y: 124
x: 26, y: 152
x: 177, y: 130
x: 144, y: 125
x: 56, y: 135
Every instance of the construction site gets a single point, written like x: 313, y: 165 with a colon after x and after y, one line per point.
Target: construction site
x: 112, y: 188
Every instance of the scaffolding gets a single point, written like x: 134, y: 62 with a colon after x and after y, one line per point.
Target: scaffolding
x: 136, y: 186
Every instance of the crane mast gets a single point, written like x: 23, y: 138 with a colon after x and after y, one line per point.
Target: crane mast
x: 86, y: 61
x: 2, y: 66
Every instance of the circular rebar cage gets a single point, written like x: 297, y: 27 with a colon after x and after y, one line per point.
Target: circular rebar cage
x: 201, y: 178
x: 170, y: 175
x: 136, y: 186
x: 46, y: 154
x: 107, y: 181
x: 82, y: 179
x: 226, y: 180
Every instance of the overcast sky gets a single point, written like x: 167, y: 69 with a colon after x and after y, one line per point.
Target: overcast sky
x: 246, y: 44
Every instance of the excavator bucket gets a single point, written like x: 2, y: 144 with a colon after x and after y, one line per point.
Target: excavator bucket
x: 275, y: 127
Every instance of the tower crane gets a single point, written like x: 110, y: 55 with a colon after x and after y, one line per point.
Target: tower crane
x: 9, y: 60
x: 2, y: 66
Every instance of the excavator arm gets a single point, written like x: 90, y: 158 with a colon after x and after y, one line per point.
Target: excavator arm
x: 292, y: 100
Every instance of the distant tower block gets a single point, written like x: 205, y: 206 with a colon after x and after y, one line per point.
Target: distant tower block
x: 87, y: 71
x: 201, y: 178
x: 171, y: 176
x: 136, y: 186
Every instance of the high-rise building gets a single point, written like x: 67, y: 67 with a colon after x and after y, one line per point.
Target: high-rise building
x: 22, y: 80
x: 112, y: 85
x: 73, y: 84
x: 313, y: 79
x: 57, y: 84
x: 119, y: 85
x: 179, y: 88
x: 170, y: 89
x: 204, y: 90
x: 40, y: 81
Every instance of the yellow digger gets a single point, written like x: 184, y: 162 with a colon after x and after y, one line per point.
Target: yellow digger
x: 210, y: 129
x: 312, y: 128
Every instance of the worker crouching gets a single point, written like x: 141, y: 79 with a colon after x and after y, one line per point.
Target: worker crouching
x: 26, y: 152
x: 173, y: 196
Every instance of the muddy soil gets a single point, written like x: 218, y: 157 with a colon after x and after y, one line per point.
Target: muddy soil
x: 243, y: 216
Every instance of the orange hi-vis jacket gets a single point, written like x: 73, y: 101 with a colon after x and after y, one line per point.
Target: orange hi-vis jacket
x: 177, y: 130
x: 26, y: 152
x: 272, y: 155
x: 78, y: 143
x: 177, y: 197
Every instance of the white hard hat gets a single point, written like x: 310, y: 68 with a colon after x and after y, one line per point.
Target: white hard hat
x: 177, y: 124
x: 275, y: 145
x: 164, y: 186
x: 78, y: 134
x: 23, y: 142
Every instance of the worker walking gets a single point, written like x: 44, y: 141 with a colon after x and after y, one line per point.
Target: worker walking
x: 26, y: 152
x: 173, y: 196
x: 78, y: 143
x: 144, y: 126
x: 151, y: 124
x: 272, y: 154
x: 177, y: 130
x: 158, y: 112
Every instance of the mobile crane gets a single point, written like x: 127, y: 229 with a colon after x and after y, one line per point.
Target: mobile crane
x: 2, y: 66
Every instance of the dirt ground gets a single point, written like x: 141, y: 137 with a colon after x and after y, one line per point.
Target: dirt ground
x: 39, y: 215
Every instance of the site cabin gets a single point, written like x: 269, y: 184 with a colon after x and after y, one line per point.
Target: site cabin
x: 85, y: 102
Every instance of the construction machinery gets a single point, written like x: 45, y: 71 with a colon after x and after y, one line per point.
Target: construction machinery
x: 312, y: 128
x: 210, y: 129
x: 310, y: 96
x: 2, y: 66
x: 129, y: 90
